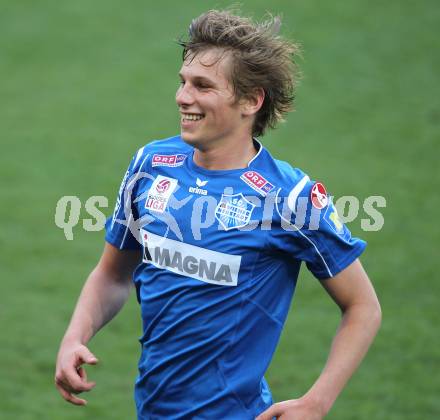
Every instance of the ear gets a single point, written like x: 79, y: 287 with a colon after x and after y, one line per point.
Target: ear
x: 252, y: 104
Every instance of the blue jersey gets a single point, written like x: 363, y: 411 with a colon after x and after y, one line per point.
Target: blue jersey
x: 221, y: 253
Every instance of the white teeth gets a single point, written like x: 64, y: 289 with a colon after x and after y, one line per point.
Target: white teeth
x: 192, y: 117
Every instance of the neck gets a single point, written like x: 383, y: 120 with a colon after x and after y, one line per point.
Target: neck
x: 225, y: 157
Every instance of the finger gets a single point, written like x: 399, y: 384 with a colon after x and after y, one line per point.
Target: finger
x: 82, y: 373
x: 68, y: 387
x: 69, y: 397
x: 86, y: 356
x: 73, y: 381
x: 273, y: 411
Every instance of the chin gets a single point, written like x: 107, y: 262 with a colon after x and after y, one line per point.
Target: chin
x: 190, y: 139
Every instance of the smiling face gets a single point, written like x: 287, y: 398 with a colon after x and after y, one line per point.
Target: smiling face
x: 210, y: 114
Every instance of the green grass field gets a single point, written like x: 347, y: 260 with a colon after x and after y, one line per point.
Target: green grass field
x: 84, y: 84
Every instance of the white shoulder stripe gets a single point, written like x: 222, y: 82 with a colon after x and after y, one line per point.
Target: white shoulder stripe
x: 133, y: 179
x: 302, y: 234
x: 138, y: 156
x: 127, y: 227
x: 293, y: 195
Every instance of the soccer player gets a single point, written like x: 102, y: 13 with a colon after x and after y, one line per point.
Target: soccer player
x: 212, y: 230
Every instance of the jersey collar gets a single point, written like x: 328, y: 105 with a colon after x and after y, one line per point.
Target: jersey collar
x: 251, y: 164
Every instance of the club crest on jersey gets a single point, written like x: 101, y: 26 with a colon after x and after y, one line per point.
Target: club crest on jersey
x: 160, y: 193
x: 318, y: 196
x: 257, y: 182
x: 168, y: 160
x: 234, y: 211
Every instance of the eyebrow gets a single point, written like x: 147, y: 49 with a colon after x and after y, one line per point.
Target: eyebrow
x: 200, y: 79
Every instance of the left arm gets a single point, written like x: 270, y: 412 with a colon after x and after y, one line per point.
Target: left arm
x: 353, y: 292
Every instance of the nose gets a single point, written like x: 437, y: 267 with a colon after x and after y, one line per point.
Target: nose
x: 184, y: 95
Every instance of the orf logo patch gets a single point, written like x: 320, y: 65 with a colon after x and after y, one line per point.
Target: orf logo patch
x: 234, y: 211
x: 318, y: 196
x: 168, y: 160
x: 257, y: 182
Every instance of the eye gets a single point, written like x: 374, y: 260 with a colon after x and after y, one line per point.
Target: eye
x: 203, y: 86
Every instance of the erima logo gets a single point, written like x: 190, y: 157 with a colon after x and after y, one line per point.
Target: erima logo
x: 201, y: 183
x: 197, y: 190
x: 191, y: 261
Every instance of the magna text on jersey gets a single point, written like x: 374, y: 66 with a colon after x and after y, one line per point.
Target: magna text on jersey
x: 189, y: 260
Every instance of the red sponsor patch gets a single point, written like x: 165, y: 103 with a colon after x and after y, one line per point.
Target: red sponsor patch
x: 318, y: 196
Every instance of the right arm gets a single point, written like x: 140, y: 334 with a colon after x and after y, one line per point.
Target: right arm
x: 103, y: 295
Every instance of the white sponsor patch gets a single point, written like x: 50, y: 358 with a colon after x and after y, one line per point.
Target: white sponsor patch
x: 190, y: 260
x: 160, y: 193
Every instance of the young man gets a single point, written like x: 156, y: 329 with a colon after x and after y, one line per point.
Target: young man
x: 213, y: 230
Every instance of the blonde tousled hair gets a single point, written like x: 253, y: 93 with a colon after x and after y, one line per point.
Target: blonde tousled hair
x: 260, y: 59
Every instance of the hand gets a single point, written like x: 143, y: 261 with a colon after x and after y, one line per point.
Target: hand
x: 70, y: 376
x: 300, y: 409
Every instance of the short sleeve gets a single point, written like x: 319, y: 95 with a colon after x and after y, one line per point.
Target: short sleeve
x: 312, y: 231
x: 121, y: 229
